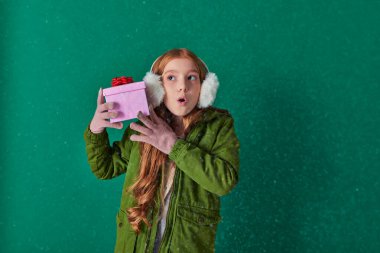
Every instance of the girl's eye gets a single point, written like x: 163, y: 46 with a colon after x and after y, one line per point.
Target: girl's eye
x: 171, y: 78
x: 192, y: 78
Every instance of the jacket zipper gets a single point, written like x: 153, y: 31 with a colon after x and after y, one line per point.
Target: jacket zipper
x: 169, y: 209
x: 149, y: 233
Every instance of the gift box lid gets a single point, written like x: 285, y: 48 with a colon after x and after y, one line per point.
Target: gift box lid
x: 124, y: 88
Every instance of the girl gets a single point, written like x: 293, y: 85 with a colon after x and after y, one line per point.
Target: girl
x: 178, y: 161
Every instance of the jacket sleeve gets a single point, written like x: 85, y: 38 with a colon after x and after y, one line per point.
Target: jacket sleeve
x: 217, y: 170
x: 107, y: 162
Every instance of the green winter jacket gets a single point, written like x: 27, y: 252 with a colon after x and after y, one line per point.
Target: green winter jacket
x: 207, y: 167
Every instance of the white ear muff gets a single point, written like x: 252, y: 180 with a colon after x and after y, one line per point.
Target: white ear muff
x: 156, y: 91
x: 209, y: 88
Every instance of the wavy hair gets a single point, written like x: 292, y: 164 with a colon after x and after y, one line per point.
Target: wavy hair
x: 153, y: 161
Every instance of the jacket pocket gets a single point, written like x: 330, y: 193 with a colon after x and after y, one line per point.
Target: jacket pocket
x: 125, y: 236
x: 199, y: 216
x: 194, y: 230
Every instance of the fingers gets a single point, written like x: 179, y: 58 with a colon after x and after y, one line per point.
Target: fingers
x: 106, y: 106
x: 101, y: 116
x: 100, y: 102
x: 144, y: 119
x: 139, y: 138
x: 100, y: 97
x: 141, y: 129
x: 117, y: 125
x: 153, y: 115
x: 108, y: 115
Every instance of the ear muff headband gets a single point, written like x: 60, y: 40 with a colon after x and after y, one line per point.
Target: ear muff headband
x: 151, y: 68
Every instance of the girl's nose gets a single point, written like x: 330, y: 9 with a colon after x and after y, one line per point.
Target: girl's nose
x: 182, y: 85
x: 182, y: 89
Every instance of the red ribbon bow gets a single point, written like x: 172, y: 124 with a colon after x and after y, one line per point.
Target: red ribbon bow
x: 121, y: 80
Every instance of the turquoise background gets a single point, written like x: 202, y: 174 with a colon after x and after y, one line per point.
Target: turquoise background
x: 301, y: 79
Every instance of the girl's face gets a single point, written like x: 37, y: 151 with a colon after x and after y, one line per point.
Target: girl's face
x: 182, y: 86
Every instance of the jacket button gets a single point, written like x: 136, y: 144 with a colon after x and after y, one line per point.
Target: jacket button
x: 120, y: 224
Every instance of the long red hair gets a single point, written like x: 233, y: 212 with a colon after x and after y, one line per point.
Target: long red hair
x: 152, y: 160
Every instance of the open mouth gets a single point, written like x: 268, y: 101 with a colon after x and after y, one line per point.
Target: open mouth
x: 182, y: 100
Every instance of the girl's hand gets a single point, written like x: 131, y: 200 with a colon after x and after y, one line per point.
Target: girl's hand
x: 99, y: 122
x: 156, y: 132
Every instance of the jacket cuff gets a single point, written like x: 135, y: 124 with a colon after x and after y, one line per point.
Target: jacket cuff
x: 99, y: 138
x: 178, y: 150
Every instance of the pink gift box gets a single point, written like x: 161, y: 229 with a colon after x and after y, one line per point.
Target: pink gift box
x: 128, y: 100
